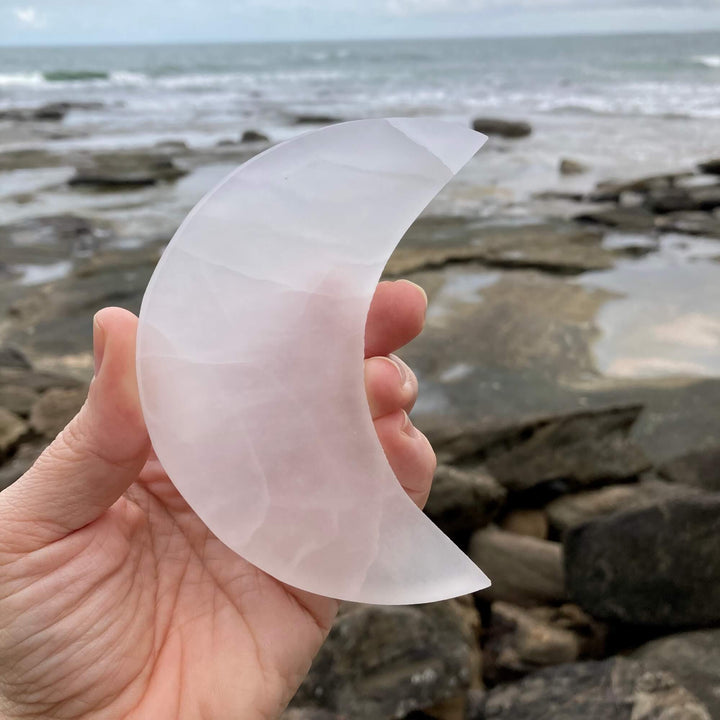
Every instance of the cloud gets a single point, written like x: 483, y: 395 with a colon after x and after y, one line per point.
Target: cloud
x: 29, y: 17
x: 422, y: 7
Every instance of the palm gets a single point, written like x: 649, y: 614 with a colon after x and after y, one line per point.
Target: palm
x: 171, y: 622
x: 115, y: 599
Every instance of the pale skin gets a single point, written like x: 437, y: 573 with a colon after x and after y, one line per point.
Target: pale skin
x: 115, y: 599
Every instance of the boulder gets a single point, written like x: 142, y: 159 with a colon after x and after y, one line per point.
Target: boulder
x: 684, y: 199
x: 503, y: 128
x: 693, y: 658
x: 612, y: 190
x: 384, y: 662
x: 571, y: 167
x: 253, y: 136
x: 523, y: 570
x: 699, y: 469
x: 517, y: 643
x: 557, y: 454
x: 463, y: 501
x: 12, y: 428
x: 526, y: 521
x: 655, y: 566
x: 123, y: 170
x: 615, y: 689
x: 712, y: 167
x: 54, y: 410
x: 569, y: 511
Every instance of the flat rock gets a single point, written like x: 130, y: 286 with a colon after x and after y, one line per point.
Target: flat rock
x: 699, y: 469
x: 624, y: 218
x: 693, y: 658
x: 612, y: 190
x: 35, y: 380
x: 503, y: 128
x: 690, y: 223
x: 615, y: 689
x: 54, y: 410
x: 463, y: 501
x: 12, y: 428
x: 11, y: 357
x: 384, y: 662
x: 48, y: 239
x: 523, y: 570
x: 684, y: 199
x: 655, y: 566
x: 18, y: 400
x: 569, y: 511
x: 560, y: 248
x: 122, y: 170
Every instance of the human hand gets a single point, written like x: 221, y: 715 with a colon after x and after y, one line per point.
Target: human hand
x: 116, y: 601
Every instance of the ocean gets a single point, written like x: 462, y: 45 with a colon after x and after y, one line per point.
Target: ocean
x: 660, y: 92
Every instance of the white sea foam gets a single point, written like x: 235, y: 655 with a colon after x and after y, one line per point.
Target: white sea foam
x: 32, y: 78
x: 711, y: 61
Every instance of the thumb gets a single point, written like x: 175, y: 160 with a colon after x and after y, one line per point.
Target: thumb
x: 94, y: 459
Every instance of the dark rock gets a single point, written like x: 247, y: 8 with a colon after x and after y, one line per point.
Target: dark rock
x: 531, y: 522
x: 309, y: 119
x: 561, y: 248
x: 571, y: 167
x: 11, y: 357
x: 615, y: 689
x: 29, y: 158
x: 569, y: 511
x: 684, y: 199
x: 384, y: 662
x: 54, y: 410
x: 53, y: 112
x: 122, y: 170
x: 503, y: 128
x: 20, y: 463
x: 712, y: 167
x: 523, y: 570
x: 475, y: 704
x: 699, y: 468
x: 656, y: 566
x: 47, y: 239
x: 12, y: 428
x: 556, y: 454
x: 625, y: 218
x: 612, y: 190
x: 461, y: 502
x: 693, y: 658
x: 689, y: 223
x: 253, y: 136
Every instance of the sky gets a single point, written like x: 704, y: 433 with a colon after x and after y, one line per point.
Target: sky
x: 68, y: 22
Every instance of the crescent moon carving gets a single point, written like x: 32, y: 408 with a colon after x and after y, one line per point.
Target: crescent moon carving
x: 250, y: 361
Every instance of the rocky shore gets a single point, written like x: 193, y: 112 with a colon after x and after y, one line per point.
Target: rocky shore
x: 581, y: 473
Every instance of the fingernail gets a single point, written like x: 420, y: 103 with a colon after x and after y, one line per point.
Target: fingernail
x: 402, y: 368
x: 98, y: 344
x: 408, y: 428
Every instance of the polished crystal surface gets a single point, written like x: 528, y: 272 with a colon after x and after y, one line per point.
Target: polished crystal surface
x: 250, y: 361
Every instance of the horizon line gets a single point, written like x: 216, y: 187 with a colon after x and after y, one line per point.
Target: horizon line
x: 356, y: 39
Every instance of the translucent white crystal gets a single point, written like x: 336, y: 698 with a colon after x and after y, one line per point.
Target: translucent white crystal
x: 250, y: 361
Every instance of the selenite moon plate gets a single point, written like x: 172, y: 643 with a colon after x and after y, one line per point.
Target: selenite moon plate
x: 250, y: 361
